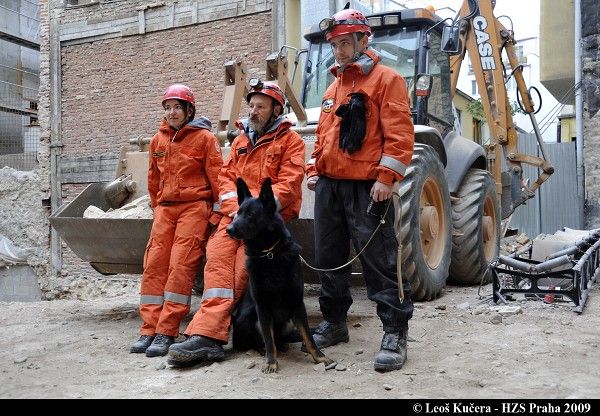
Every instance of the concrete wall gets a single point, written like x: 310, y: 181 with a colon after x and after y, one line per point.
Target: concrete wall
x: 557, y: 34
x: 591, y: 96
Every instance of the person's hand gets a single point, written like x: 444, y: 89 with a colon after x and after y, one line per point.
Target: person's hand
x: 381, y: 192
x: 233, y: 214
x: 311, y: 182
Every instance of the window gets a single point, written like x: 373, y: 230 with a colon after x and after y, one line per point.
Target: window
x: 476, y: 131
x: 397, y: 48
x: 473, y: 87
x: 33, y: 116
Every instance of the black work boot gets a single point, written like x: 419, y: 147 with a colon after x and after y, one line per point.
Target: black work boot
x: 392, y: 354
x: 142, y: 344
x: 160, y: 346
x: 327, y: 334
x: 194, y: 349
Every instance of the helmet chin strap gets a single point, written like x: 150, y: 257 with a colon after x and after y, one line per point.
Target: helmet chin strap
x: 357, y: 53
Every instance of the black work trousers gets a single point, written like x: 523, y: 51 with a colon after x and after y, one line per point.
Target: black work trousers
x: 341, y: 216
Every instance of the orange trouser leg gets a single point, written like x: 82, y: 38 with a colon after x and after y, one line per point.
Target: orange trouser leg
x: 156, y: 268
x: 171, y: 265
x: 225, y: 281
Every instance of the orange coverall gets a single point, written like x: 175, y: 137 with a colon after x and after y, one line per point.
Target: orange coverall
x: 278, y: 154
x: 183, y: 185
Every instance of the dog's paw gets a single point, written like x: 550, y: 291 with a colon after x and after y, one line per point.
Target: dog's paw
x: 329, y: 363
x: 269, y: 368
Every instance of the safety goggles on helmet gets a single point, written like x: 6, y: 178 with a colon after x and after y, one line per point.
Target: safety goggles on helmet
x: 345, y: 22
x: 328, y: 23
x: 269, y: 89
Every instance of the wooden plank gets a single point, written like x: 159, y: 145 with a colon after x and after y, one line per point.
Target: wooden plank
x: 88, y: 169
x: 157, y: 18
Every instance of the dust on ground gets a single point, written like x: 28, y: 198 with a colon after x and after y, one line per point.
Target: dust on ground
x: 459, y: 346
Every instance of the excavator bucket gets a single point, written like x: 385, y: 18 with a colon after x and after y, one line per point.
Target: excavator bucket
x: 110, y: 245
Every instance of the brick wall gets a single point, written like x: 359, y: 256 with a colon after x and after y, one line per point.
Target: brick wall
x: 112, y: 89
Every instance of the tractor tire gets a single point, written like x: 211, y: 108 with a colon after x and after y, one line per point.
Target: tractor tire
x: 424, y: 224
x: 476, y: 229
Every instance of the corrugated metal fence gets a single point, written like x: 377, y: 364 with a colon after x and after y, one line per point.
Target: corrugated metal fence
x: 555, y: 205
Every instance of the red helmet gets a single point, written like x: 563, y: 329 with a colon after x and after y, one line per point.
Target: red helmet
x: 270, y: 89
x: 345, y: 22
x: 179, y: 92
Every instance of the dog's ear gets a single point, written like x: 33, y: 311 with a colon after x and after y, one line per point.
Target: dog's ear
x: 267, y: 198
x: 242, y: 191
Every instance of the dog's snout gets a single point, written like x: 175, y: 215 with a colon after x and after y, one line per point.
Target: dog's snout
x: 232, y: 231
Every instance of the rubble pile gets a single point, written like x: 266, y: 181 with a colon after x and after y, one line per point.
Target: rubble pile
x: 136, y: 209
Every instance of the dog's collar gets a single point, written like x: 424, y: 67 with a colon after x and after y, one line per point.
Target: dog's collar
x: 269, y: 252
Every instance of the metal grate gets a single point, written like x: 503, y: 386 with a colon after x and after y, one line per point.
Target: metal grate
x: 19, y: 132
x: 19, y: 83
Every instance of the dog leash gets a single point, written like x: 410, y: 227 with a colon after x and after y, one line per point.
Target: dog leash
x: 398, y: 259
x: 381, y: 222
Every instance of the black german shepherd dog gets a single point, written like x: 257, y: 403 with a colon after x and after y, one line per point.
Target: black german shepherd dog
x: 273, y: 263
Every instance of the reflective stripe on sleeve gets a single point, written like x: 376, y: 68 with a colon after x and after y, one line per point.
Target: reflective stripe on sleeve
x: 393, y: 164
x: 228, y: 195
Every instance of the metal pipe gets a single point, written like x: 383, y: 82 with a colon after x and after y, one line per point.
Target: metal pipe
x: 579, y: 114
x: 566, y: 251
x: 535, y: 268
x: 140, y: 141
x: 588, y: 254
x: 538, y: 136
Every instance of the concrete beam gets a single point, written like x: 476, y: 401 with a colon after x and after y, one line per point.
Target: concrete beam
x: 18, y: 40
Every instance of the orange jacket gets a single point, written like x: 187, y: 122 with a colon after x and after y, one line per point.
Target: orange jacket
x: 278, y: 154
x: 388, y: 145
x: 184, y: 165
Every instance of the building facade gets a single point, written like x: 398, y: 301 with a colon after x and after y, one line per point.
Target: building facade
x: 104, y: 66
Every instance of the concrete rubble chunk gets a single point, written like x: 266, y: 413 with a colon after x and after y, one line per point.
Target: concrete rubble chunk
x: 136, y: 209
x: 507, y: 310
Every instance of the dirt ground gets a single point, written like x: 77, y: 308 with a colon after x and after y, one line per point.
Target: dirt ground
x: 460, y: 347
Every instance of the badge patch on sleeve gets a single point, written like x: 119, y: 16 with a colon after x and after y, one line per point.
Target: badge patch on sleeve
x: 327, y: 105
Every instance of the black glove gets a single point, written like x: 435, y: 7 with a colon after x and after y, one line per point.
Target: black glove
x: 354, y: 123
x: 377, y: 209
